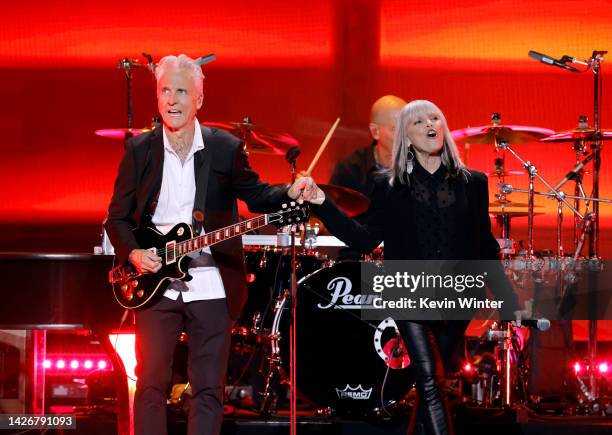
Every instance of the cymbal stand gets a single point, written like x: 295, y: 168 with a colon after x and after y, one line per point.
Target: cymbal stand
x: 503, y: 219
x: 128, y: 65
x: 533, y: 173
x: 595, y: 66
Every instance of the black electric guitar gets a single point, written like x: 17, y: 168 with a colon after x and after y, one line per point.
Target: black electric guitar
x: 135, y: 290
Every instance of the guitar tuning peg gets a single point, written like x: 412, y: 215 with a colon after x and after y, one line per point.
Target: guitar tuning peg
x: 292, y: 203
x: 284, y: 205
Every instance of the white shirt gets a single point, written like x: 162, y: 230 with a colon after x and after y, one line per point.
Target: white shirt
x: 175, y: 205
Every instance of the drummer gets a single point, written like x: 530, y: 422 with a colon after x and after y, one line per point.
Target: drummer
x: 357, y: 170
x: 428, y: 206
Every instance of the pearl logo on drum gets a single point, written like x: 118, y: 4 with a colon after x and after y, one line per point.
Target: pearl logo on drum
x: 340, y: 288
x: 357, y: 393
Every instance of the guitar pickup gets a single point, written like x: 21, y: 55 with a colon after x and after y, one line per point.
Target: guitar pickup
x: 171, y: 252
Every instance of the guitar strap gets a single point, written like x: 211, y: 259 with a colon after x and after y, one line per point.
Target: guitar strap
x: 202, y: 170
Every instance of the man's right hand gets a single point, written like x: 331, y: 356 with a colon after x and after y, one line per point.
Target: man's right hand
x: 306, y: 189
x: 145, y: 260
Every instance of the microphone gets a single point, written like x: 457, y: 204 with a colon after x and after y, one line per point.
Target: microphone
x: 550, y: 61
x: 293, y: 154
x: 541, y: 324
x: 203, y: 60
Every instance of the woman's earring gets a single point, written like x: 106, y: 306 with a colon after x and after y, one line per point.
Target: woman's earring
x: 409, y: 155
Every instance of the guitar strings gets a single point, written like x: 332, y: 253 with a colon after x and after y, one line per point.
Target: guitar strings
x: 242, y: 227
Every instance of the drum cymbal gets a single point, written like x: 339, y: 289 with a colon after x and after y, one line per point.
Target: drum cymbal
x: 492, y: 134
x: 255, y: 139
x: 506, y: 203
x: 511, y: 213
x: 501, y: 173
x: 350, y: 201
x: 586, y: 134
x: 120, y: 133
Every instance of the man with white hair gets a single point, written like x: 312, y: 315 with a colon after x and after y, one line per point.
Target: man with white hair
x: 168, y: 176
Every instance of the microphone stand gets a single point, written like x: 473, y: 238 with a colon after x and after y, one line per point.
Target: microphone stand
x: 291, y: 157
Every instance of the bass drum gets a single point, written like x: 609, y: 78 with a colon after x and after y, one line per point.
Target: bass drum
x: 342, y: 360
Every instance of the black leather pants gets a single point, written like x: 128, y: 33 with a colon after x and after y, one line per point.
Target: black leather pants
x: 427, y: 344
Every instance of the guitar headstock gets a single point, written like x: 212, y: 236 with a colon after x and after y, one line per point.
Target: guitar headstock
x: 290, y: 214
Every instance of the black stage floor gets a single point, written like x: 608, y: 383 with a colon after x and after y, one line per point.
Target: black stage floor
x: 470, y: 422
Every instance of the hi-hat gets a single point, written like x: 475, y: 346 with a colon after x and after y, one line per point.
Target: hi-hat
x: 257, y: 140
x: 579, y: 134
x: 494, y: 134
x: 121, y: 133
x: 501, y: 173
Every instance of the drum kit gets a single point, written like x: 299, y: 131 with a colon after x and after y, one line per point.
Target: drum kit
x: 350, y: 367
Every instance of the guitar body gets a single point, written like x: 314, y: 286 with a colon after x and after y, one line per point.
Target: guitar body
x: 133, y: 291
x: 136, y: 291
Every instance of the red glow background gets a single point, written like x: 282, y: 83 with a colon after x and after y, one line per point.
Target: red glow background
x: 292, y: 67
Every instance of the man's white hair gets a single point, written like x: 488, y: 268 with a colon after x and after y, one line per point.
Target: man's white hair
x: 181, y: 62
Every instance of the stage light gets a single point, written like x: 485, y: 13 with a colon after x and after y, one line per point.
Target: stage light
x: 603, y: 367
x: 74, y: 364
x: 468, y: 368
x: 101, y: 364
x: 47, y: 364
x: 88, y: 364
x: 60, y: 364
x: 577, y: 367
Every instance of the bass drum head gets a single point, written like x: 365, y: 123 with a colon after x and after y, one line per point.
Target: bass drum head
x: 337, y: 362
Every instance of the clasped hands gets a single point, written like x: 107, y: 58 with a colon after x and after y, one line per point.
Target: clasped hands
x: 304, y: 188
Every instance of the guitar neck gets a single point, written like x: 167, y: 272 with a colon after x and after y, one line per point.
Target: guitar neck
x: 200, y: 242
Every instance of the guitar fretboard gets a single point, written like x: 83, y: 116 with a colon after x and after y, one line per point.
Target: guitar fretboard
x: 201, y: 242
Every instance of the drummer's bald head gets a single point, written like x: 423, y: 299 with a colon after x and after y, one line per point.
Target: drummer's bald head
x: 386, y: 107
x: 383, y: 118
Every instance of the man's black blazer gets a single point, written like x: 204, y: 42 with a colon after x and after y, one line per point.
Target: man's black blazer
x: 222, y: 174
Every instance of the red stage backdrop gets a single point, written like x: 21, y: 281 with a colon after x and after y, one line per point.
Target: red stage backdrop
x: 292, y: 67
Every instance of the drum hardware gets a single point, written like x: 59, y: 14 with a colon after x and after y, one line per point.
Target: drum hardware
x: 533, y: 173
x: 311, y: 231
x: 124, y: 134
x: 596, y: 137
x: 497, y: 378
x: 255, y: 139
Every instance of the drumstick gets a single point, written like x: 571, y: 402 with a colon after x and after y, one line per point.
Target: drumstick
x: 322, y: 147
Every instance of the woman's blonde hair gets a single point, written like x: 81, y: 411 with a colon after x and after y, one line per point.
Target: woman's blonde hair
x: 403, y: 155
